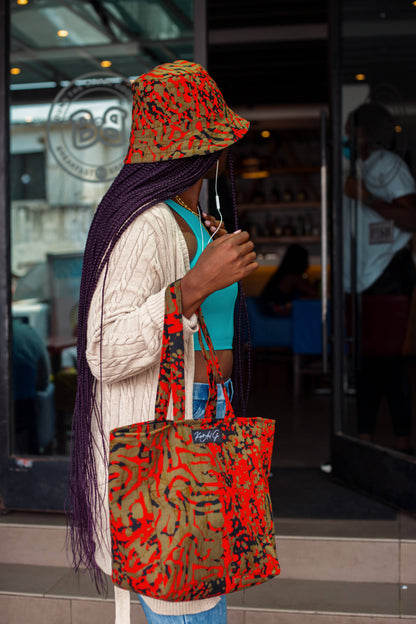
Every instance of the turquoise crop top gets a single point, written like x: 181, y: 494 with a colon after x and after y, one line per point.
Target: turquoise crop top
x: 218, y: 308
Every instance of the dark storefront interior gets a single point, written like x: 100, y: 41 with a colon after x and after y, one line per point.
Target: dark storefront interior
x: 292, y: 68
x: 344, y: 497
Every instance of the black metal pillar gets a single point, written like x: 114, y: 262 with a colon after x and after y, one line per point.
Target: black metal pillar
x: 5, y: 338
x: 337, y: 294
x: 200, y: 33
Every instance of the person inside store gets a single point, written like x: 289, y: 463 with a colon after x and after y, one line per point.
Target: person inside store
x: 66, y: 385
x: 385, y: 194
x: 290, y: 281
x: 147, y: 233
x: 32, y: 390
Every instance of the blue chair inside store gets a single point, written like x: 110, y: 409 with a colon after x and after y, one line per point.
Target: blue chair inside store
x: 301, y: 331
x: 307, y: 326
x: 300, y: 334
x: 306, y: 340
x: 268, y: 332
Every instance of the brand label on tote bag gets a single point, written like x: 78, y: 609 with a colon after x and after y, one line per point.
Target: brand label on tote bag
x: 207, y: 436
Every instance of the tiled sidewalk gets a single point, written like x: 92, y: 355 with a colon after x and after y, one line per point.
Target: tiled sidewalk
x: 333, y: 572
x: 40, y: 594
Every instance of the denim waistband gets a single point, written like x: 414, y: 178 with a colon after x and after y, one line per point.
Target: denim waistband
x: 201, y: 391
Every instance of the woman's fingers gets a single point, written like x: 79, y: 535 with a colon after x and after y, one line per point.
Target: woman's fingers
x: 235, y: 251
x: 224, y: 261
x: 214, y: 225
x: 250, y: 258
x: 240, y: 240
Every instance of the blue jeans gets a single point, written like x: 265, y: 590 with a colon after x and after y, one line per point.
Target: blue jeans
x: 218, y: 614
x: 201, y: 394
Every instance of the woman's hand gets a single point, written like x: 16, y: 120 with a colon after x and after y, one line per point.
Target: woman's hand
x: 226, y: 260
x: 212, y: 224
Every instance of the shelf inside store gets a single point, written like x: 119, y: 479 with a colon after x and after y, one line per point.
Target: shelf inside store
x: 285, y: 240
x: 271, y: 171
x: 307, y: 205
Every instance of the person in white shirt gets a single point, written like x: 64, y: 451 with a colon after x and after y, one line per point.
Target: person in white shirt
x: 385, y: 192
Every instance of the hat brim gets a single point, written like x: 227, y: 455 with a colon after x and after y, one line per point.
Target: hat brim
x: 199, y: 137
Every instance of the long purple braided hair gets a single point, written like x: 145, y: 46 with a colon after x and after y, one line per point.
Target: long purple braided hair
x: 136, y: 188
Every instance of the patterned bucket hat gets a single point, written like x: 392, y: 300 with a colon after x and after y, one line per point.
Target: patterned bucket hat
x: 179, y: 111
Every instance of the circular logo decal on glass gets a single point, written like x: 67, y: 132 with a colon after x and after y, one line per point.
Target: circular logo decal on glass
x: 89, y: 126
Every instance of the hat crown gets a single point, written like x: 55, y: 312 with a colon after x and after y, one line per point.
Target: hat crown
x: 178, y: 91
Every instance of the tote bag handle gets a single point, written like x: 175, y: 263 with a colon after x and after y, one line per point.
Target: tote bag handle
x: 172, y: 368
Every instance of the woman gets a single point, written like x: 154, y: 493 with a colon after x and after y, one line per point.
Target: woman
x: 145, y: 235
x: 289, y: 282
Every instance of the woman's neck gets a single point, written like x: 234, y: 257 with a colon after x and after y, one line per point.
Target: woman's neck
x: 191, y: 195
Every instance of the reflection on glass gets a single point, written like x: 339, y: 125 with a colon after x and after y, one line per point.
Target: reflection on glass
x: 33, y: 392
x: 69, y: 127
x: 379, y: 222
x: 379, y: 272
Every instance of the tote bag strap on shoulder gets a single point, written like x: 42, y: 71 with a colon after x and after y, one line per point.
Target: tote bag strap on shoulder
x: 172, y: 370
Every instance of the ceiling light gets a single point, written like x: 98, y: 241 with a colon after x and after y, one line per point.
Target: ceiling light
x: 360, y: 76
x: 106, y: 63
x: 22, y: 2
x: 62, y: 33
x: 414, y: 3
x: 15, y: 71
x: 398, y: 129
x: 265, y: 134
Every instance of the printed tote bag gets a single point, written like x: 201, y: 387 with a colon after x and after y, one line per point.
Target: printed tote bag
x: 190, y: 509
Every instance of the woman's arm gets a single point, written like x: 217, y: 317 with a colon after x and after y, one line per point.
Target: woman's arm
x: 125, y: 321
x: 224, y: 261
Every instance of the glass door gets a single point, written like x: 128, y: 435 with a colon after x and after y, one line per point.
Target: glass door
x: 67, y: 101
x: 373, y: 56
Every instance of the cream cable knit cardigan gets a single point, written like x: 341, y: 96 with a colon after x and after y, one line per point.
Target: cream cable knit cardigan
x: 150, y: 255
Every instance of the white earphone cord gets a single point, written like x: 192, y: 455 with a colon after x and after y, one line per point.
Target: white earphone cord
x: 217, y: 203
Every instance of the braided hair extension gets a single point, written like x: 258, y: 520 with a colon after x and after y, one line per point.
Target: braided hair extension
x: 136, y: 188
x: 242, y: 327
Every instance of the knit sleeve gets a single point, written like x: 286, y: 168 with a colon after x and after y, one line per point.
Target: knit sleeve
x: 125, y: 320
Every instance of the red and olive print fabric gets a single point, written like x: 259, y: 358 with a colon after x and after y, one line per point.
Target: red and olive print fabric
x: 190, y: 509
x: 179, y: 111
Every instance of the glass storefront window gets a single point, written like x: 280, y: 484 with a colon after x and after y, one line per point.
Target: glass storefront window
x: 70, y: 71
x: 378, y: 204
